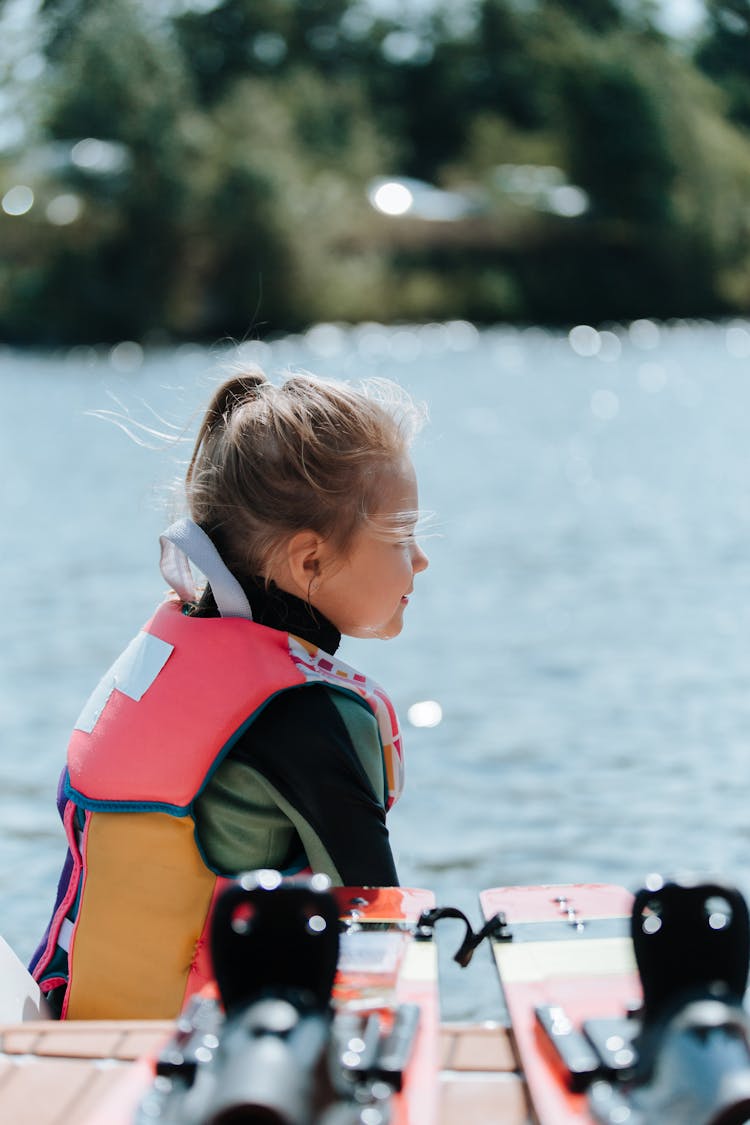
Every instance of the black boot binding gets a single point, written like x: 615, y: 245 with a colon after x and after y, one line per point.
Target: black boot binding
x: 277, y: 1054
x: 690, y: 1057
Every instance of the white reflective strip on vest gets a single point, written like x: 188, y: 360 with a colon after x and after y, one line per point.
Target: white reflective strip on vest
x: 66, y: 932
x: 132, y: 673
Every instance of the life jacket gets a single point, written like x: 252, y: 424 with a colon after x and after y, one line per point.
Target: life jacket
x: 128, y: 936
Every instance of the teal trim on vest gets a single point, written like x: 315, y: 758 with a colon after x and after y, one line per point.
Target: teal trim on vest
x: 94, y: 804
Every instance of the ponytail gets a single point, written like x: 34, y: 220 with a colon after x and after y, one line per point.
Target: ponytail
x: 232, y: 393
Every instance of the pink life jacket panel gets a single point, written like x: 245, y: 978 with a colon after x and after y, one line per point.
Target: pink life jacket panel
x: 132, y: 746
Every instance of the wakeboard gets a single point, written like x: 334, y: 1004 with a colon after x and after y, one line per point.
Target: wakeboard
x: 388, y: 967
x: 377, y: 1040
x: 564, y: 956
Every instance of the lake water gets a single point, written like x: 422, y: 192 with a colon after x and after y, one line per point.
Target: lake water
x: 583, y: 625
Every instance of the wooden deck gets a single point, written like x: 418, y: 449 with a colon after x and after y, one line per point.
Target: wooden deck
x: 59, y: 1073
x: 479, y: 1080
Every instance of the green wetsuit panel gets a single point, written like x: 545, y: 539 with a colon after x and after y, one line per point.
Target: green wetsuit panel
x: 306, y: 780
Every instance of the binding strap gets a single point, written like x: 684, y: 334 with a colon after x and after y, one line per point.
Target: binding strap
x: 184, y: 542
x: 495, y: 928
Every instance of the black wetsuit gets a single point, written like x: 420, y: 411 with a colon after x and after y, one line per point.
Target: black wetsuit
x: 305, y: 783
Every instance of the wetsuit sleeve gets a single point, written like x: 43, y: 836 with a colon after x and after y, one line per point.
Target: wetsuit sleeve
x: 309, y: 769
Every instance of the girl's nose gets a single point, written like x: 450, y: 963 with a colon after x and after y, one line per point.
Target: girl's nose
x: 419, y: 560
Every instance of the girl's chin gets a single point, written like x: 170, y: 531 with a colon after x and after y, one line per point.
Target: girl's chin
x: 392, y: 629
x: 384, y: 632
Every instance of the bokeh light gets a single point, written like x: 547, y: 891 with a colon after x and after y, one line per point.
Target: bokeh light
x: 644, y: 334
x: 426, y: 713
x: 126, y: 356
x: 64, y: 209
x: 18, y: 200
x: 584, y: 340
x: 392, y: 198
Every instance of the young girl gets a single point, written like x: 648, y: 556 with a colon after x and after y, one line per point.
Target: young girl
x: 198, y: 756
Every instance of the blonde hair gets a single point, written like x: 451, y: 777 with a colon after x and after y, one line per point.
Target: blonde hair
x: 271, y: 460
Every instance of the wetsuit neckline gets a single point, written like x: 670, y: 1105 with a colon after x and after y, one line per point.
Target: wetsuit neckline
x: 277, y: 609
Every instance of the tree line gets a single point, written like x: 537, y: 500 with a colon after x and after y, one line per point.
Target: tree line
x: 200, y: 171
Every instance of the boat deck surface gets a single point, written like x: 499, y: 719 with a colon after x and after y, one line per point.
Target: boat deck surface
x: 57, y: 1073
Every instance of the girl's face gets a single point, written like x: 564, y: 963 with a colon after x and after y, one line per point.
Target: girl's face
x: 365, y: 592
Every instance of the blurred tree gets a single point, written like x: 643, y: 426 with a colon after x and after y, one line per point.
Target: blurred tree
x: 115, y: 80
x: 429, y: 95
x: 60, y: 20
x: 724, y: 53
x: 276, y: 199
x: 241, y: 38
x: 618, y: 146
x: 599, y: 16
x: 623, y: 123
x: 504, y: 77
x: 435, y: 73
x: 241, y: 140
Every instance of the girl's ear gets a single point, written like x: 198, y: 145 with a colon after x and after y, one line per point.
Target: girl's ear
x: 303, y: 558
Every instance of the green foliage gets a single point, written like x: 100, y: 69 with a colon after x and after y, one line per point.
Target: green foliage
x: 724, y: 53
x: 271, y: 208
x: 599, y: 16
x: 242, y: 38
x: 618, y: 145
x: 242, y: 141
x: 112, y: 78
